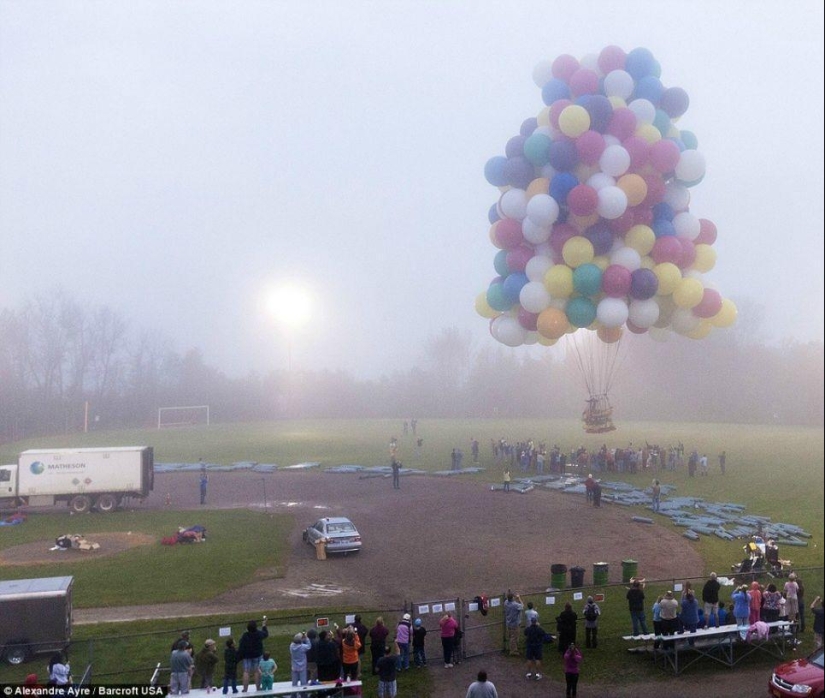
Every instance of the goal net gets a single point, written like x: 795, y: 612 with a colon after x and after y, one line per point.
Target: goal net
x: 182, y: 416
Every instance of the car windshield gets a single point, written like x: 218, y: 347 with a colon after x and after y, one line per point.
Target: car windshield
x: 816, y: 658
x: 341, y: 527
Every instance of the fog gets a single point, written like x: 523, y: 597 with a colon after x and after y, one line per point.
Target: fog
x: 175, y: 161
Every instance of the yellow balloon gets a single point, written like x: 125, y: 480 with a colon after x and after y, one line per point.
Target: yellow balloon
x: 649, y: 133
x: 559, y: 281
x: 666, y: 308
x: 483, y: 307
x: 577, y: 250
x: 552, y: 323
x: 634, y: 187
x: 617, y: 103
x: 641, y: 238
x: 544, y: 117
x: 701, y: 330
x: 705, y: 258
x: 584, y: 172
x: 545, y: 342
x: 602, y: 261
x: 673, y: 132
x: 688, y: 293
x: 582, y: 223
x: 574, y: 120
x: 647, y: 262
x: 726, y: 315
x: 669, y: 277
x: 540, y: 185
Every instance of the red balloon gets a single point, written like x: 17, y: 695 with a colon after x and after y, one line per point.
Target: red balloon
x: 584, y: 82
x: 664, y: 155
x: 637, y: 148
x: 590, y: 146
x: 517, y: 258
x: 611, y: 58
x: 710, y: 304
x: 564, y: 66
x: 642, y: 215
x: 707, y: 232
x: 560, y: 234
x: 623, y: 223
x: 688, y: 252
x: 635, y: 329
x: 527, y: 320
x: 622, y: 123
x: 656, y: 189
x: 616, y: 281
x: 667, y: 249
x: 508, y: 233
x: 582, y: 200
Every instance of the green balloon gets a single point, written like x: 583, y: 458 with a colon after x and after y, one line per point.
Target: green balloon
x: 587, y: 280
x: 496, y: 298
x: 537, y: 149
x: 689, y: 139
x: 581, y: 312
x: 500, y: 263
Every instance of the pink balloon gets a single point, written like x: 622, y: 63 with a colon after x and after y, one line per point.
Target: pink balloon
x: 688, y: 252
x: 611, y: 58
x: 517, y: 258
x: 707, y: 232
x: 557, y: 108
x: 590, y: 146
x: 616, y: 281
x: 635, y: 329
x: 564, y: 66
x: 560, y: 234
x: 508, y: 233
x: 582, y: 200
x: 710, y: 304
x: 624, y: 222
x: 527, y: 320
x: 584, y: 82
x: 667, y: 249
x: 638, y: 149
x: 656, y: 189
x: 622, y: 123
x: 664, y: 155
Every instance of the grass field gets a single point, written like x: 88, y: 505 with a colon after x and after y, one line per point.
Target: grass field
x: 774, y: 471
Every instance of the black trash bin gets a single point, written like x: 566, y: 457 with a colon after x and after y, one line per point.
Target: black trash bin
x: 577, y: 577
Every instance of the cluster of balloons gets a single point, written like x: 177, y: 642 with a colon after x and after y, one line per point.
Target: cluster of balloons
x: 593, y: 226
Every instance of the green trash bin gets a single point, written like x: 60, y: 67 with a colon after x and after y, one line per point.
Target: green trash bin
x: 601, y: 574
x: 558, y: 575
x: 630, y: 568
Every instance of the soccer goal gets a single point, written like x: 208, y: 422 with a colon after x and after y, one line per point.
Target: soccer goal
x: 182, y: 416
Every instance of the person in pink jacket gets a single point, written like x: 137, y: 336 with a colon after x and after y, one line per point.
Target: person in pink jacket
x: 755, y: 603
x: 572, y: 660
x: 448, y: 627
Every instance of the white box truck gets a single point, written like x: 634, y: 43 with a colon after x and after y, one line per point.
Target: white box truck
x: 37, y: 617
x: 81, y: 477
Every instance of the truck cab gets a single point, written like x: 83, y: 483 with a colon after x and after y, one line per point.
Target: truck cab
x: 8, y: 485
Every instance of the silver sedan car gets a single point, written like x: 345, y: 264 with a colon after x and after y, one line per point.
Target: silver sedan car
x: 340, y: 533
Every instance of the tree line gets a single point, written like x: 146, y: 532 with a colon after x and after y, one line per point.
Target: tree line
x: 57, y: 355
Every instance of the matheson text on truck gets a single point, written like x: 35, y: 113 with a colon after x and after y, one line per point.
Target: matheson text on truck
x: 83, y: 478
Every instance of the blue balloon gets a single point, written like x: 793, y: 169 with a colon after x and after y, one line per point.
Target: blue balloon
x: 500, y: 263
x: 496, y: 298
x: 515, y: 146
x: 528, y: 126
x: 581, y: 312
x: 600, y: 110
x: 600, y: 236
x: 643, y: 284
x: 519, y: 172
x: 512, y: 286
x: 680, y: 143
x: 492, y: 214
x: 553, y: 90
x: 640, y: 63
x: 563, y: 155
x: 649, y: 88
x: 663, y: 210
x: 561, y: 185
x: 663, y: 228
x: 494, y: 171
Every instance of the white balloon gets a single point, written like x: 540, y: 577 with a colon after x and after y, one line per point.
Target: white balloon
x: 691, y: 166
x: 614, y: 160
x: 544, y: 131
x: 677, y: 196
x: 548, y: 171
x: 684, y: 321
x: 543, y: 210
x: 686, y: 225
x: 513, y: 204
x: 534, y: 233
x: 558, y: 303
x: 612, y: 312
x: 612, y: 202
x: 544, y: 249
x: 509, y: 331
x: 644, y: 110
x: 543, y: 73
x: 537, y: 267
x: 659, y: 334
x: 626, y: 257
x: 534, y: 297
x: 610, y: 139
x: 591, y: 62
x: 618, y: 83
x: 643, y: 313
x: 600, y: 180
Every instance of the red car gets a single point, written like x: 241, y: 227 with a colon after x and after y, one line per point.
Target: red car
x: 801, y: 677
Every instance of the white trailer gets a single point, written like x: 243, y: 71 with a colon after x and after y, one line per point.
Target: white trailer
x: 81, y: 477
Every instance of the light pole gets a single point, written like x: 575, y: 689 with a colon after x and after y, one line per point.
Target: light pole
x: 266, y: 503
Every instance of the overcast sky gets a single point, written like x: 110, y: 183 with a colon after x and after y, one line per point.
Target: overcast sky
x: 174, y: 160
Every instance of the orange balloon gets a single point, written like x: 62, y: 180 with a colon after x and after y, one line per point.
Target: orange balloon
x: 540, y: 185
x: 634, y: 186
x: 582, y: 223
x: 552, y: 323
x: 609, y: 335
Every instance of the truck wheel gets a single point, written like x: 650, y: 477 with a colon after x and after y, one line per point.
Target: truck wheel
x: 80, y: 504
x: 106, y: 503
x: 17, y: 654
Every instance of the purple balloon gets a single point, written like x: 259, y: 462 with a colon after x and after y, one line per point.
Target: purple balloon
x: 563, y: 155
x: 643, y: 284
x: 600, y: 236
x: 674, y: 102
x: 528, y: 126
x: 600, y: 110
x: 616, y: 281
x: 515, y: 147
x: 519, y: 172
x: 492, y: 214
